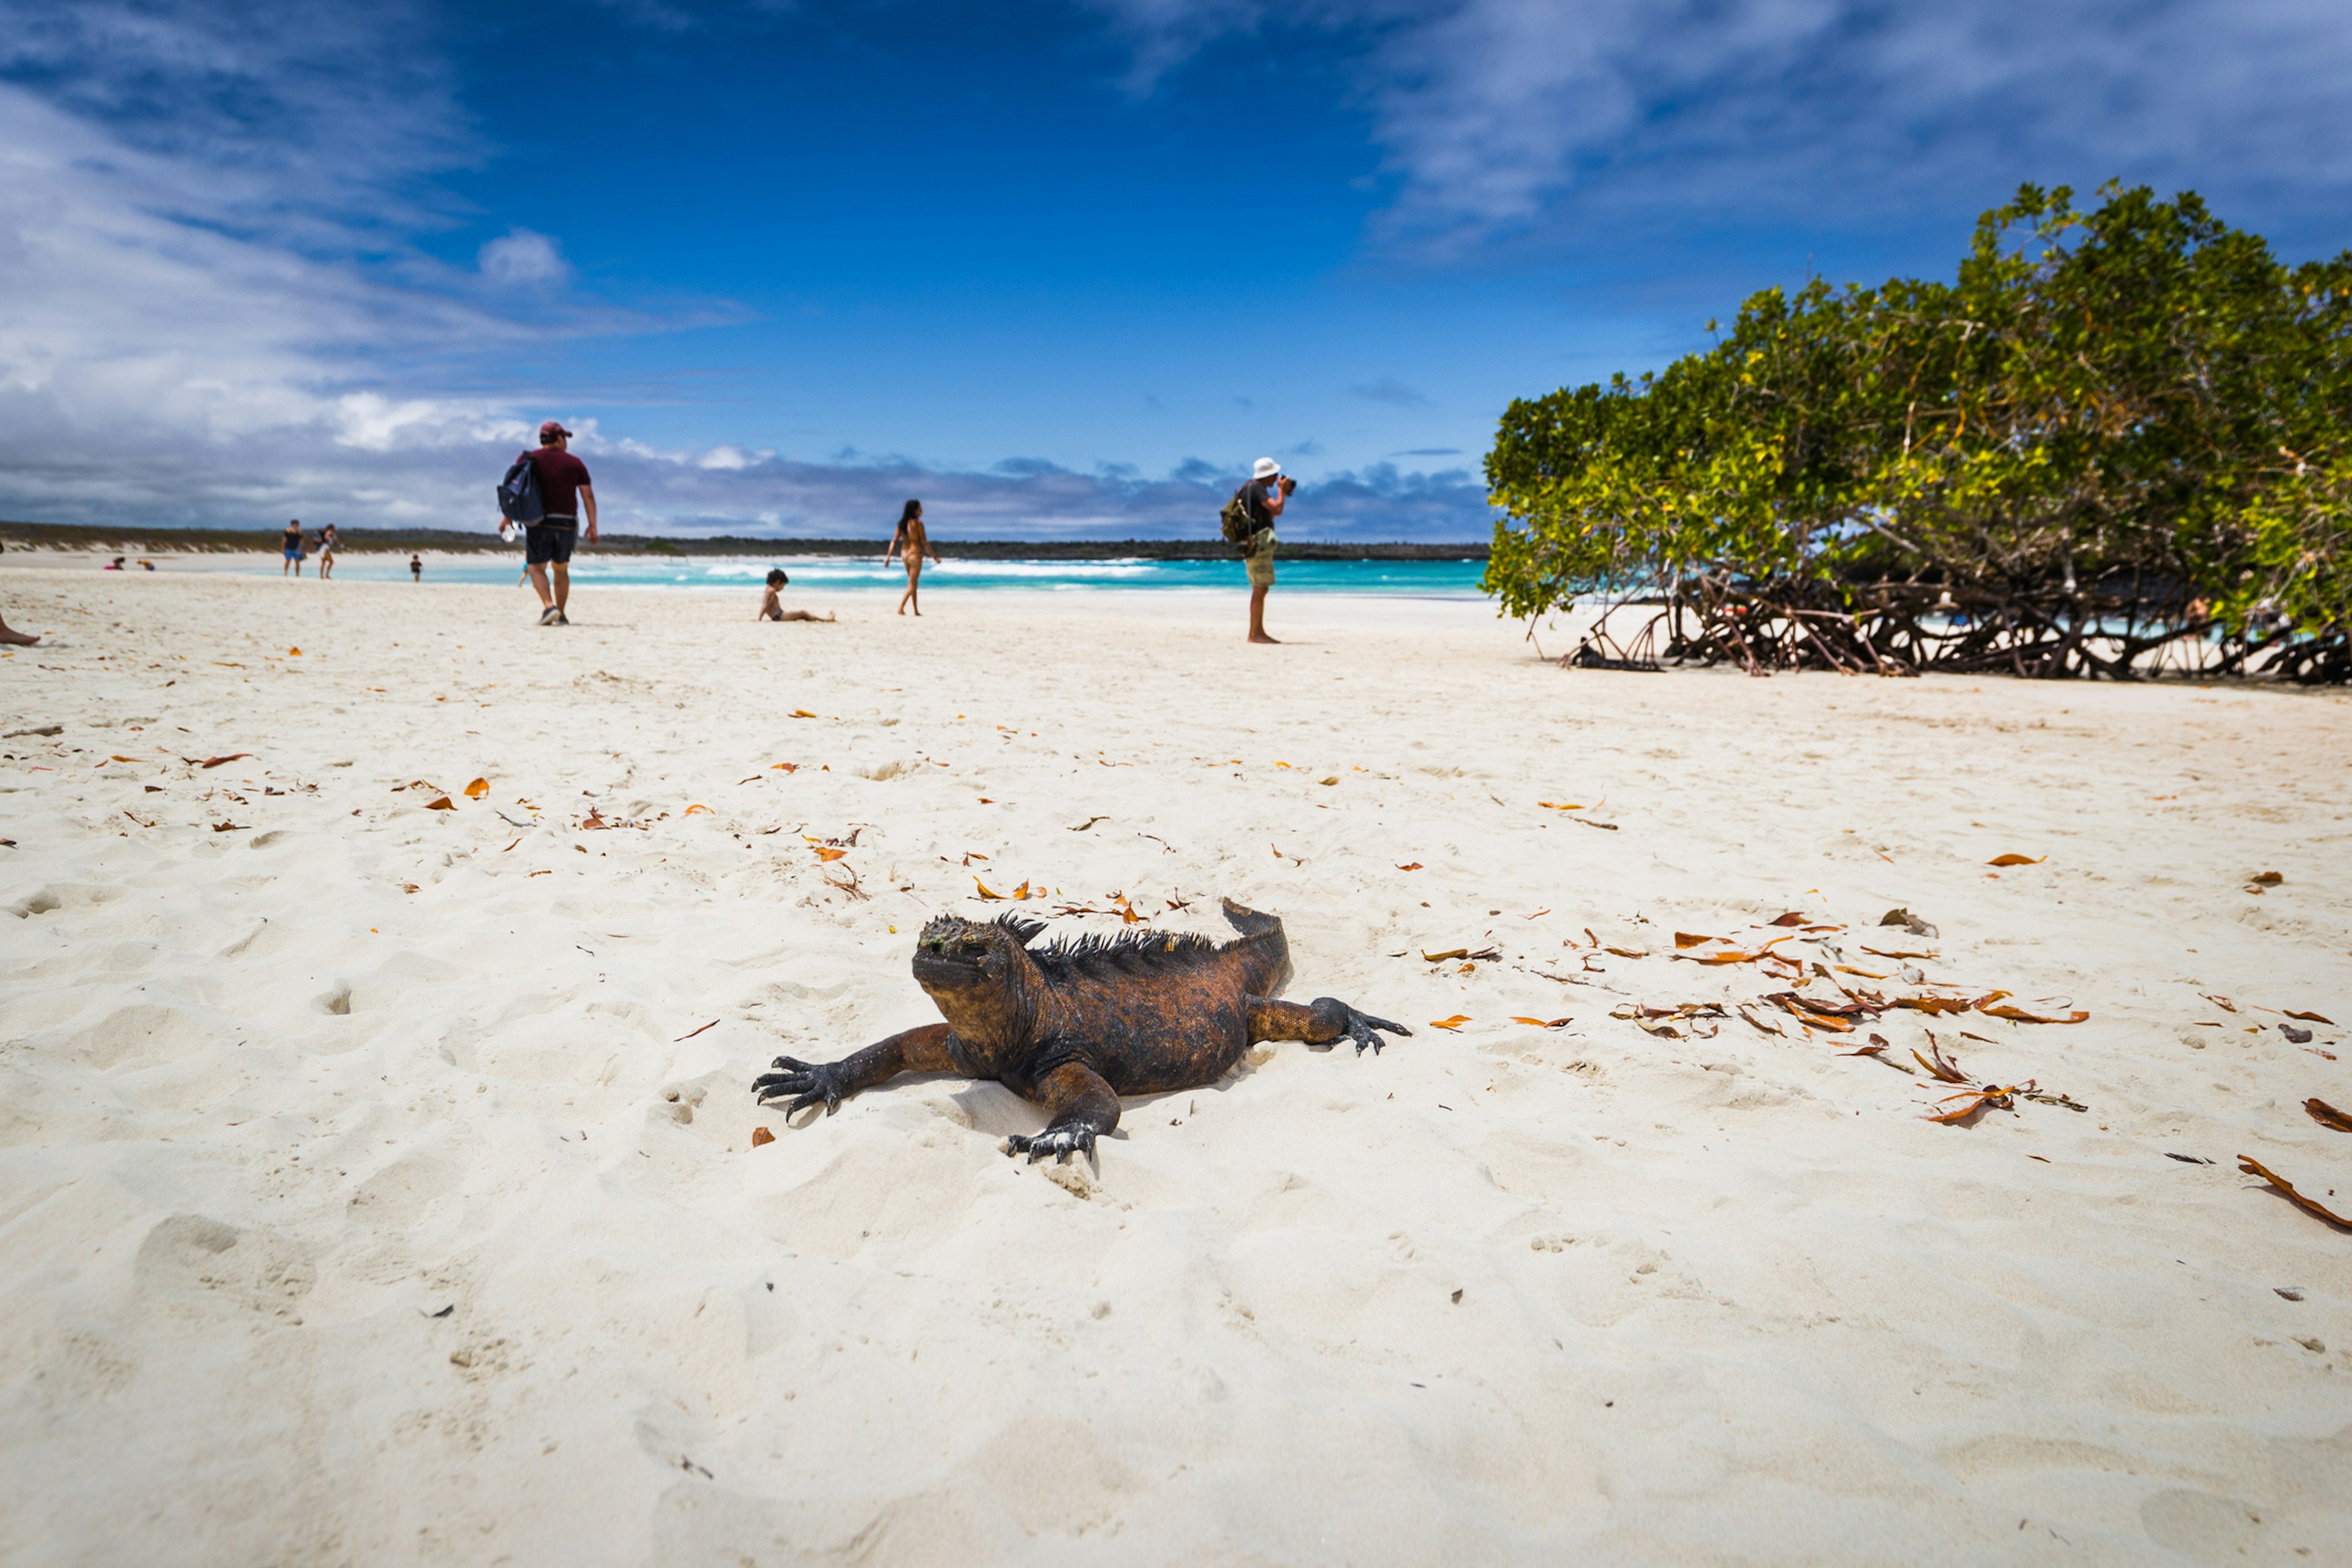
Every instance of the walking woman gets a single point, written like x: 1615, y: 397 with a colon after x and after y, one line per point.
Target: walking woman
x: 912, y: 544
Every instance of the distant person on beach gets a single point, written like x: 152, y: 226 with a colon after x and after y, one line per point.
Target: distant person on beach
x: 113, y: 566
x: 772, y: 607
x: 1264, y: 496
x: 415, y: 568
x: 293, y: 538
x: 910, y: 543
x: 563, y: 489
x: 326, y: 552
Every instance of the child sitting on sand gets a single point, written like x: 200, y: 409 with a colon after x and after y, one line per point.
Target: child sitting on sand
x: 772, y: 609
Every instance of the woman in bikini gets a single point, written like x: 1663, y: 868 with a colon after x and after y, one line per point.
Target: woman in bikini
x: 912, y: 544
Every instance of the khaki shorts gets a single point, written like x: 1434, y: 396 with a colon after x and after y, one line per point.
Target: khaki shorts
x: 1261, y: 566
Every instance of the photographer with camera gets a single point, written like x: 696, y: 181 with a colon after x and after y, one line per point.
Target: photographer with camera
x: 1262, y: 501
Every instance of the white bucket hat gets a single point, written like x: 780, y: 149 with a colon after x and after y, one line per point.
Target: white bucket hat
x: 1264, y: 469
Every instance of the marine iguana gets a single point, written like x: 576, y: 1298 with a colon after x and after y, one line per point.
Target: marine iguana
x: 1072, y: 1027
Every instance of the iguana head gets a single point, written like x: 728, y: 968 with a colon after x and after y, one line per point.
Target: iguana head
x: 968, y: 964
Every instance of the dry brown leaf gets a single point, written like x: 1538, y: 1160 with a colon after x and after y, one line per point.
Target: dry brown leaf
x: 984, y: 893
x: 2327, y: 1116
x: 1760, y: 1026
x: 442, y: 802
x: 1802, y: 1009
x: 2311, y: 1017
x: 1791, y: 918
x: 761, y: 1135
x: 1692, y: 939
x: 1540, y: 1023
x: 1940, y: 1064
x: 691, y: 1033
x: 1892, y: 952
x: 1455, y: 1022
x: 1847, y: 969
x: 1932, y: 1004
x: 1414, y: 867
x: 595, y: 819
x: 1449, y: 954
x: 1993, y: 1097
x: 2260, y: 879
x: 1559, y: 805
x: 215, y: 761
x: 803, y: 713
x: 824, y: 854
x: 1624, y: 953
x: 2019, y: 1015
x: 2253, y: 1167
x: 2017, y: 860
x: 478, y: 789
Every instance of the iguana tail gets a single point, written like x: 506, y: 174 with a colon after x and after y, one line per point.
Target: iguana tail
x: 1262, y: 933
x: 1249, y: 922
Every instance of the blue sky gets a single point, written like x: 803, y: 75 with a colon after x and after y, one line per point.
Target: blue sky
x: 1059, y: 269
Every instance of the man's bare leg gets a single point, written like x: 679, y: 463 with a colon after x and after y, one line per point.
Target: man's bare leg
x: 15, y: 639
x: 562, y: 586
x: 1257, y: 616
x: 537, y: 576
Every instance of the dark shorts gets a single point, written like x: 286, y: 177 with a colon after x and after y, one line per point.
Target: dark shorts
x: 546, y: 542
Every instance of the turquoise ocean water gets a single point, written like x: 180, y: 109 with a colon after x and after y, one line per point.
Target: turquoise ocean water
x: 1414, y: 579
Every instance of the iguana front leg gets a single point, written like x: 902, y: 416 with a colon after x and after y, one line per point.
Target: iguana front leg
x: 1326, y: 1021
x: 829, y: 1083
x: 1083, y: 1109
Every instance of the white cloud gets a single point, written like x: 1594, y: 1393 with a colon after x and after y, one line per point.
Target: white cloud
x: 1500, y: 115
x: 161, y: 363
x: 523, y: 257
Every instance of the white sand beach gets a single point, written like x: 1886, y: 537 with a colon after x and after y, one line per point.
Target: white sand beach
x: 377, y: 1183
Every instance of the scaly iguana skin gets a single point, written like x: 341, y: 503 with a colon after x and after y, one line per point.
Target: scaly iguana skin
x: 1074, y: 1026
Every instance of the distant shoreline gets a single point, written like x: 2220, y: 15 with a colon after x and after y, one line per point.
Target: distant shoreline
x: 448, y: 541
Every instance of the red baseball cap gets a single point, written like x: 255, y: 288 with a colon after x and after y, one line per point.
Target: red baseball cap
x: 552, y: 429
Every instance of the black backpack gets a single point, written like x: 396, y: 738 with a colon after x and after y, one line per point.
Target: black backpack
x: 1238, y: 524
x: 518, y: 498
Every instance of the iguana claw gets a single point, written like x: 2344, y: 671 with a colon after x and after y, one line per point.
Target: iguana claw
x: 813, y: 1082
x: 1059, y: 1141
x: 1360, y: 1027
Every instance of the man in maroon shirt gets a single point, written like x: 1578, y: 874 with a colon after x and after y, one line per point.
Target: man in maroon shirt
x: 564, y: 488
